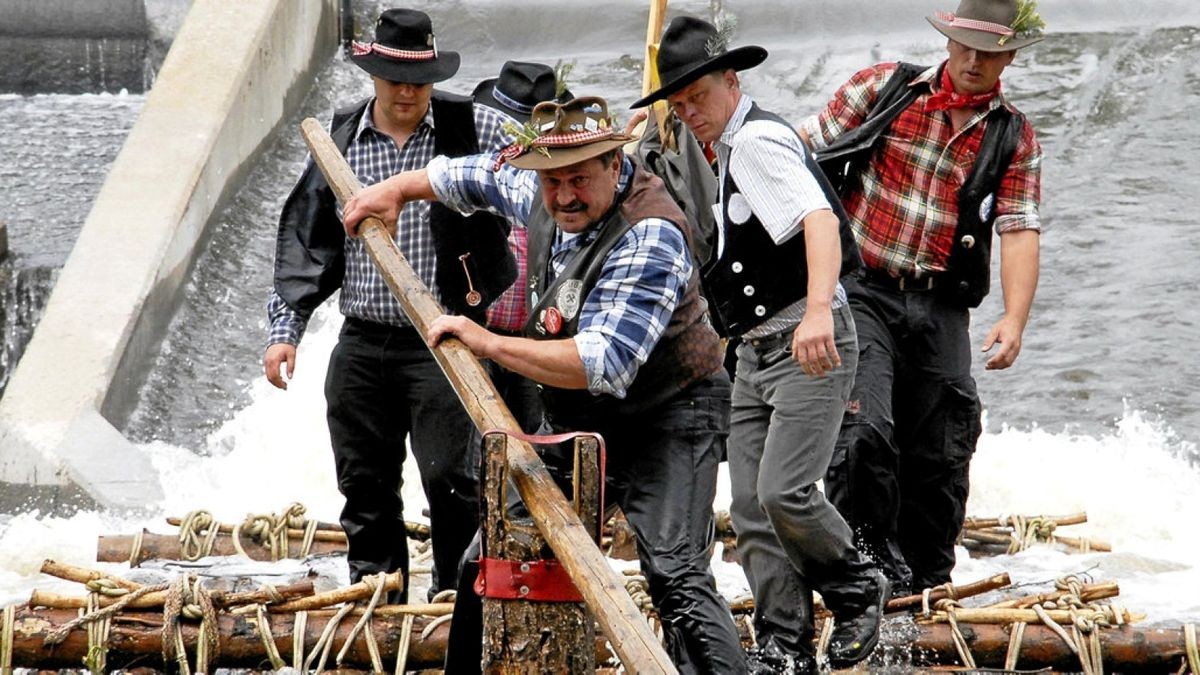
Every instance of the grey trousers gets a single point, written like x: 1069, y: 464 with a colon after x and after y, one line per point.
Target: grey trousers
x: 790, y: 539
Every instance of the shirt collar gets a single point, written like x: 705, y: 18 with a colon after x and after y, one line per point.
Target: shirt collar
x: 367, y: 121
x: 736, y: 120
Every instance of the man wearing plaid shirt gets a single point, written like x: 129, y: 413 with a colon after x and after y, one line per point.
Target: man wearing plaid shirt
x: 957, y: 161
x: 383, y: 386
x: 619, y: 338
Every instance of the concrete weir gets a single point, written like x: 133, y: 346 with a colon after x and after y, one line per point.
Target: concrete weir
x: 233, y: 73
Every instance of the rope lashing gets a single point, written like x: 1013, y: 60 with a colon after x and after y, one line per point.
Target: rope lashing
x: 402, y: 648
x: 433, y: 625
x: 299, y: 625
x: 949, y: 606
x: 61, y: 633
x: 1014, y: 645
x: 135, y: 550
x: 1193, y: 652
x: 271, y: 531
x: 197, y: 532
x: 107, y: 587
x: 268, y: 638
x: 96, y: 659
x: 926, y: 596
x: 377, y: 582
x: 187, y: 598
x: 1028, y: 531
x: 324, y: 644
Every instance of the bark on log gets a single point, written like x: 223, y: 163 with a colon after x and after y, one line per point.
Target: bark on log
x: 359, y: 591
x: 83, y: 575
x: 1087, y: 593
x: 640, y: 650
x: 987, y: 615
x: 220, y: 598
x: 117, y: 548
x: 1125, y: 649
x: 965, y: 591
x: 522, y: 636
x: 135, y: 639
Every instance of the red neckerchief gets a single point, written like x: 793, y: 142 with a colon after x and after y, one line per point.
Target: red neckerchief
x: 948, y: 99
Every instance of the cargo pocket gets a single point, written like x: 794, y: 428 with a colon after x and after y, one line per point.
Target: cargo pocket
x: 963, y: 423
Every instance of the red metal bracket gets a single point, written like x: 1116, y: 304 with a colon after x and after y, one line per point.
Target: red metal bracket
x: 539, y: 581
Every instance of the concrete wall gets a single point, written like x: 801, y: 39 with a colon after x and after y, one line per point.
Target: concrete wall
x: 233, y: 72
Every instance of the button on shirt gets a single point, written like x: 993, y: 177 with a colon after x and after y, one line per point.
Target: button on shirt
x: 766, y: 160
x: 624, y: 316
x: 906, y: 210
x: 374, y: 157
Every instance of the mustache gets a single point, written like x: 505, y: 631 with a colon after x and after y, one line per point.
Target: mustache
x: 573, y: 207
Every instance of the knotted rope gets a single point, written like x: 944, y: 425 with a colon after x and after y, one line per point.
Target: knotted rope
x: 639, y: 591
x: 1084, y: 638
x: 299, y: 625
x: 376, y: 582
x: 197, y: 533
x: 101, y: 614
x: 325, y: 643
x: 187, y: 598
x: 135, y: 551
x: 1028, y: 531
x: 271, y: 531
x: 268, y: 638
x: 949, y: 605
x: 402, y: 648
x: 97, y: 632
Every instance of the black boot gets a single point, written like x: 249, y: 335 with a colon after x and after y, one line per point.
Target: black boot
x: 769, y: 658
x: 855, y: 635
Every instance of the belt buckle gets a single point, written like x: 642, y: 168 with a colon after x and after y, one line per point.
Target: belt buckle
x: 918, y: 284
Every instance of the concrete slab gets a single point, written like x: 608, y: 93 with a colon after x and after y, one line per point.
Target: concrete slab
x: 233, y: 72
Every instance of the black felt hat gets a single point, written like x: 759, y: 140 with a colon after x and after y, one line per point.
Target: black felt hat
x: 520, y: 87
x: 405, y: 50
x: 691, y: 48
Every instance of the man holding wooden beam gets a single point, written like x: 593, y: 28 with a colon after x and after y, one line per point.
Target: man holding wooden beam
x: 617, y: 335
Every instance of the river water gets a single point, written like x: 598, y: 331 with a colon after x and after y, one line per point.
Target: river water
x: 1100, y: 414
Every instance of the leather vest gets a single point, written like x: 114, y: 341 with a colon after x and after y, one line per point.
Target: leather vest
x: 310, y: 244
x: 968, y: 275
x: 688, y: 350
x: 754, y: 278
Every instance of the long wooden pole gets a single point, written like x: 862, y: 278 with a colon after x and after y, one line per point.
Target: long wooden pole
x: 619, y: 618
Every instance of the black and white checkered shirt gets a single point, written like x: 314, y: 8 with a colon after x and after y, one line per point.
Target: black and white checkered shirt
x: 373, y: 156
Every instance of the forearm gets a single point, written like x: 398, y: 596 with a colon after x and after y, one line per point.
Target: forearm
x: 1019, y: 267
x: 411, y: 186
x: 824, y: 253
x: 551, y: 362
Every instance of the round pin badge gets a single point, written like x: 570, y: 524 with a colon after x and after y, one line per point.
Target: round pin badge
x: 552, y: 321
x: 739, y: 209
x: 474, y: 298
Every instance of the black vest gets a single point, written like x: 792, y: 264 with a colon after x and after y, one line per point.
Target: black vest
x: 754, y: 278
x: 310, y: 245
x: 968, y: 276
x: 688, y: 349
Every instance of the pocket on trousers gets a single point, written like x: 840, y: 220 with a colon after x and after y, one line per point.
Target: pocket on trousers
x: 963, y: 423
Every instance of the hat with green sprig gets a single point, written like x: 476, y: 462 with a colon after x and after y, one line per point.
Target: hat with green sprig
x: 992, y: 25
x: 562, y: 134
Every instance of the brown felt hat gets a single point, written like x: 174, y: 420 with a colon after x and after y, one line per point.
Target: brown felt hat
x: 986, y: 25
x: 568, y: 133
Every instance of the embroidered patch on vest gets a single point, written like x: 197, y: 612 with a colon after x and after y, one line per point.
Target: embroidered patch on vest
x: 739, y: 209
x: 985, y: 206
x: 568, y: 298
x: 552, y: 320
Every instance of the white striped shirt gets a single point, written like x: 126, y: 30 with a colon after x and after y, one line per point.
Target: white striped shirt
x: 766, y: 160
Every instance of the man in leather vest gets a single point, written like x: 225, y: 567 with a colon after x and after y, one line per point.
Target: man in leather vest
x: 937, y: 162
x: 617, y: 335
x: 383, y: 386
x: 782, y: 243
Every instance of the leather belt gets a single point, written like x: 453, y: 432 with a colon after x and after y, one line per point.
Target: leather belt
x: 904, y: 284
x: 768, y: 343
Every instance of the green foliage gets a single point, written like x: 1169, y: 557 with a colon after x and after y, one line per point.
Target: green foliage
x: 1028, y: 23
x: 562, y: 70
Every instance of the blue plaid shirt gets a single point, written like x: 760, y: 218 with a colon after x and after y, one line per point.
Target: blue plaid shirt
x: 373, y: 156
x: 624, y: 316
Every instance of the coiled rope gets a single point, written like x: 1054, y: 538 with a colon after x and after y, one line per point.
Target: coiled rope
x: 197, y: 533
x: 1028, y: 531
x: 271, y: 531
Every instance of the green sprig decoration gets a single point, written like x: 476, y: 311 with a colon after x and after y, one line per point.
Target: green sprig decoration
x: 562, y: 70
x: 523, y: 135
x: 1028, y: 23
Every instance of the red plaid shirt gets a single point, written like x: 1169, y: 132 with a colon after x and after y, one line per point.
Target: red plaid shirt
x: 905, y: 212
x: 508, y: 312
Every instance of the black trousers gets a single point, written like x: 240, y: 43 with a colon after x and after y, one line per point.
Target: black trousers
x: 900, y: 470
x: 383, y: 388
x: 661, y: 471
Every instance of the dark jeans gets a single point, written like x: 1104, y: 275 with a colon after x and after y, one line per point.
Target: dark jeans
x: 382, y: 387
x: 900, y: 470
x: 662, y: 472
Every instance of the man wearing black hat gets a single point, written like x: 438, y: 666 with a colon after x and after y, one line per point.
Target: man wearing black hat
x: 519, y: 87
x: 383, y: 386
x: 619, y: 337
x: 947, y: 160
x: 782, y: 243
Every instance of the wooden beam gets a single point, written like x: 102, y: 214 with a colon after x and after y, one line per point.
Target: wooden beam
x: 619, y: 618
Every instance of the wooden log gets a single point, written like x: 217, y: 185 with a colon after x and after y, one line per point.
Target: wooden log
x: 117, y: 548
x: 523, y: 636
x: 1005, y: 615
x: 983, y: 523
x: 1002, y: 539
x: 325, y: 531
x: 83, y: 575
x: 359, y: 591
x: 620, y: 619
x: 135, y: 638
x: 1088, y: 593
x: 157, y: 599
x: 1125, y: 649
x: 964, y: 591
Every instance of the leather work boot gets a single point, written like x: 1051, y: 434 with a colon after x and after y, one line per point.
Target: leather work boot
x: 770, y: 658
x: 855, y: 636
